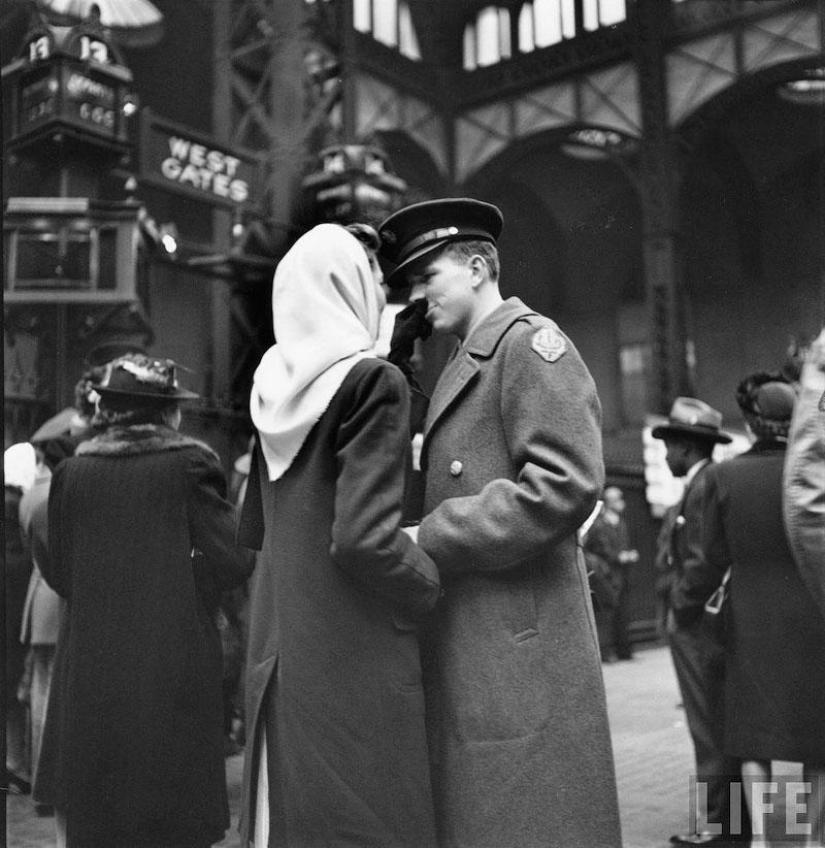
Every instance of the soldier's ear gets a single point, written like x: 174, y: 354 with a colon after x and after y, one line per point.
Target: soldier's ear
x: 479, y: 269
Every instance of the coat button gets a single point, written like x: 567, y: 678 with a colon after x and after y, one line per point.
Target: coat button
x: 456, y: 468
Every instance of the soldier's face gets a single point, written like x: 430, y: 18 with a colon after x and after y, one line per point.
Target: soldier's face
x: 447, y: 284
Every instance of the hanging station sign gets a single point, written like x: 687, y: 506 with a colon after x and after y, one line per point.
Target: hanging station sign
x: 181, y: 160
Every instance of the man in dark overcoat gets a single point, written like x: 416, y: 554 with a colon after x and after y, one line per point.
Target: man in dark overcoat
x: 692, y: 431
x: 517, y: 721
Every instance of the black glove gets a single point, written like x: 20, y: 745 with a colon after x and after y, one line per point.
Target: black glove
x: 410, y: 324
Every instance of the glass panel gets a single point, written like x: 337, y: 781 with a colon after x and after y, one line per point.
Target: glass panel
x: 107, y: 259
x: 406, y: 33
x: 526, y: 37
x: 568, y: 18
x: 55, y: 260
x: 385, y: 22
x: 488, y: 52
x: 634, y: 363
x: 612, y: 12
x: 505, y: 48
x: 591, y: 14
x: 547, y: 21
x: 362, y: 15
x: 470, y: 47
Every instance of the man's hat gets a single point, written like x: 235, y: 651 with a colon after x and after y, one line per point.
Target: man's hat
x: 692, y: 417
x: 421, y: 228
x: 140, y: 376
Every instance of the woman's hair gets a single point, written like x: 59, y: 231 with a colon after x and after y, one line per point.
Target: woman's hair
x: 371, y: 241
x: 128, y: 411
x: 766, y: 401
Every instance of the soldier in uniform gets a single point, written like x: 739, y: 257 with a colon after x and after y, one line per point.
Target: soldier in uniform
x: 517, y: 721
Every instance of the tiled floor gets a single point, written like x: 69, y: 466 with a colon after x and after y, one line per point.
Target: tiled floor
x: 654, y: 760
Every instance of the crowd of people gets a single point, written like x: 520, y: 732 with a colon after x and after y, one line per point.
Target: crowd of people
x: 422, y: 667
x: 745, y: 631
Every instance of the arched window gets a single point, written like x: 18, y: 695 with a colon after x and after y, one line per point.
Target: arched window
x: 388, y: 21
x: 542, y: 23
x: 487, y: 39
x: 545, y: 22
x: 599, y: 13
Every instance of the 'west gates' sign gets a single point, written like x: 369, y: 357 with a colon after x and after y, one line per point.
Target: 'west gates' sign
x: 181, y: 160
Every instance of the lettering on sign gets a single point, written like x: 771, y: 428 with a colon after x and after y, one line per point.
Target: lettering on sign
x: 175, y: 158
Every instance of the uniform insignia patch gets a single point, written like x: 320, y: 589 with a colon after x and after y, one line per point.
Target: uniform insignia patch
x: 549, y: 344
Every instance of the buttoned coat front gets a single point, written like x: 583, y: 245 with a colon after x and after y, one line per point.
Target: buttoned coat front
x: 517, y: 721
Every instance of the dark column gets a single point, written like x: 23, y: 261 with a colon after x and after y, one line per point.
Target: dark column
x: 659, y: 179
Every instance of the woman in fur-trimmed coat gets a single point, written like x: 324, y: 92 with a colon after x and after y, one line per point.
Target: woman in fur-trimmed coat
x: 141, y: 540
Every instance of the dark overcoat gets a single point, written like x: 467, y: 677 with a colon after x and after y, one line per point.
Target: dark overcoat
x: 133, y: 746
x: 775, y: 682
x: 516, y: 709
x: 334, y: 671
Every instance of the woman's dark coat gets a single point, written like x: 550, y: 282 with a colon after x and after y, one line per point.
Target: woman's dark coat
x: 133, y: 744
x: 333, y: 664
x: 775, y: 681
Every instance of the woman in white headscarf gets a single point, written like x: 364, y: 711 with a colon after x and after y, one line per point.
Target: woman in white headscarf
x: 337, y: 747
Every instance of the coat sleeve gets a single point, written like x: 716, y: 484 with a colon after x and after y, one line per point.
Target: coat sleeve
x: 804, y: 483
x: 372, y: 451
x: 551, y: 419
x: 212, y: 521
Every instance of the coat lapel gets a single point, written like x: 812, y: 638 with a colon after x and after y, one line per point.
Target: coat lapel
x: 462, y: 369
x: 456, y: 377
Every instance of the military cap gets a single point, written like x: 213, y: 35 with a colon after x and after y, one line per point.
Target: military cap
x: 693, y: 417
x: 421, y: 228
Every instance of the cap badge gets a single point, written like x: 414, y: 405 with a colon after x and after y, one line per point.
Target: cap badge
x: 549, y: 344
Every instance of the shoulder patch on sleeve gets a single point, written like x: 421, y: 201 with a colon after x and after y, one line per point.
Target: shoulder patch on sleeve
x: 549, y: 344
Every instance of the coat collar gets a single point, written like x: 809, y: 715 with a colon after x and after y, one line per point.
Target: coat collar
x: 486, y: 336
x: 136, y: 440
x: 463, y: 367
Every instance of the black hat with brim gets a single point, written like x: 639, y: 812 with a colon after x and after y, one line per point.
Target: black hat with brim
x: 147, y: 378
x: 422, y: 228
x: 693, y: 417
x: 699, y: 432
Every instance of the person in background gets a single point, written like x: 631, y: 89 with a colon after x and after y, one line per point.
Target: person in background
x: 512, y: 463
x: 775, y: 680
x: 19, y: 470
x: 803, y: 498
x: 140, y: 544
x: 54, y: 441
x: 42, y: 608
x: 609, y: 539
x: 336, y: 742
x: 690, y: 435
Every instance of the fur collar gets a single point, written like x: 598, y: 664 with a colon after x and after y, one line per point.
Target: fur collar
x: 139, y: 439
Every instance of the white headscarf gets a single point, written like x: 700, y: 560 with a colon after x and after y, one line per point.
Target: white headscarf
x: 20, y: 466
x: 326, y: 309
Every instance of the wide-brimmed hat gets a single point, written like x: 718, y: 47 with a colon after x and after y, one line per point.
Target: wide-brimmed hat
x: 693, y: 417
x: 140, y: 376
x: 421, y: 228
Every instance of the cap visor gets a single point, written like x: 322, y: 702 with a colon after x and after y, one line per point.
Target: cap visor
x: 397, y: 278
